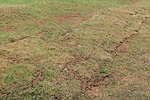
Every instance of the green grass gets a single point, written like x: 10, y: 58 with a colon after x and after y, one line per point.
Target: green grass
x: 65, y: 49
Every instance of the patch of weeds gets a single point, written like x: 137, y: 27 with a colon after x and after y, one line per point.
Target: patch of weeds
x: 49, y: 34
x: 35, y: 93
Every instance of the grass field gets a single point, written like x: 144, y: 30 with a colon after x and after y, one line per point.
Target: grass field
x: 74, y: 49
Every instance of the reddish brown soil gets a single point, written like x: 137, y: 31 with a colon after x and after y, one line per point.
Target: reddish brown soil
x: 8, y: 29
x: 71, y: 18
x: 122, y: 46
x: 90, y: 83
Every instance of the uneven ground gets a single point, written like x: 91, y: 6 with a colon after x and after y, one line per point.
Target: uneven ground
x: 81, y: 50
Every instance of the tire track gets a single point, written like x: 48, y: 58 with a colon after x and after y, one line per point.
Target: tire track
x: 122, y: 45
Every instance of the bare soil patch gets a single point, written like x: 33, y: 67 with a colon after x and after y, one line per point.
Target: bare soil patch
x: 71, y: 61
x: 8, y: 29
x: 71, y: 18
x: 122, y: 46
x: 3, y: 7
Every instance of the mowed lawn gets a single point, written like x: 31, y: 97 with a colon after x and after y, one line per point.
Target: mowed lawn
x: 74, y: 49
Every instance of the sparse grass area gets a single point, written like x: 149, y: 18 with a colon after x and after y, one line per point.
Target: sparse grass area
x: 73, y: 49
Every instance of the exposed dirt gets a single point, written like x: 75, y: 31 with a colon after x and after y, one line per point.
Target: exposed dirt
x: 90, y: 83
x: 95, y: 77
x: 38, y: 76
x: 72, y: 18
x: 13, y: 58
x: 69, y: 31
x: 122, y: 46
x: 34, y: 81
x: 40, y: 22
x: 15, y: 40
x: 67, y: 45
x: 8, y: 29
x: 11, y: 6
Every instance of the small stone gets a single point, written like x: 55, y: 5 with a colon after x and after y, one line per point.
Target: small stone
x: 65, y: 69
